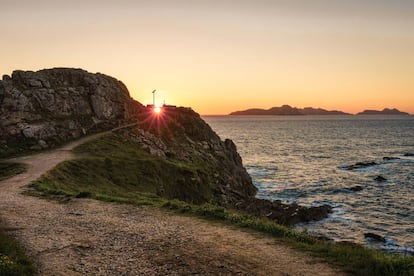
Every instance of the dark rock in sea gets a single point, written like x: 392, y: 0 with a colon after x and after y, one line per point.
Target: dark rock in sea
x: 374, y: 237
x: 287, y: 214
x: 359, y: 165
x: 356, y: 188
x: 409, y: 154
x: 380, y: 178
x: 387, y: 158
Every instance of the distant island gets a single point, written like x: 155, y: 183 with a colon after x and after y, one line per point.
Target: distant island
x: 385, y: 111
x: 288, y: 110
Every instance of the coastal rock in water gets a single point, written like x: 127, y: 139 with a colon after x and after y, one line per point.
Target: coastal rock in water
x: 387, y: 158
x: 359, y: 165
x: 374, y: 237
x: 409, y: 154
x: 287, y: 214
x: 356, y: 188
x: 380, y: 178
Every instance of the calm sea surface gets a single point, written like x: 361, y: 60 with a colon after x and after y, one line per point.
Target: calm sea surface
x: 299, y: 159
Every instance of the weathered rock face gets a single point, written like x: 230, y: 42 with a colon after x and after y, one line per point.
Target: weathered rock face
x: 182, y: 135
x: 47, y: 107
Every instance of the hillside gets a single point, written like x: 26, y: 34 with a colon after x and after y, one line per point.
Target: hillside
x: 288, y: 110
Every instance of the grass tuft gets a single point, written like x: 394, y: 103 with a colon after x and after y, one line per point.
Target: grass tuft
x: 9, y: 169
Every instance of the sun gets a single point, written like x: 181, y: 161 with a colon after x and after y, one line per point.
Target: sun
x: 157, y: 110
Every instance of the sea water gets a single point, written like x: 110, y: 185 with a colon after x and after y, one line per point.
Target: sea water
x: 301, y: 159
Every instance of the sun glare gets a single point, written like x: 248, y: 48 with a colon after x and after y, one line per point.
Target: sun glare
x: 157, y: 110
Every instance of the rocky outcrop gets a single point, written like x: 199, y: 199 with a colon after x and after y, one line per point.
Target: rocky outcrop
x: 380, y: 178
x: 287, y: 214
x: 355, y: 188
x: 45, y: 108
x: 180, y: 134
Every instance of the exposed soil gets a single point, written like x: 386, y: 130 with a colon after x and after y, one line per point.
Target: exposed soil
x: 86, y: 236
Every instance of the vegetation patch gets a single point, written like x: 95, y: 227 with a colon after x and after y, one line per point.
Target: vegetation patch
x: 116, y: 170
x: 8, y: 169
x: 13, y: 260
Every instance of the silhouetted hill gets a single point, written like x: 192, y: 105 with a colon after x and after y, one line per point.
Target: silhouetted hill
x: 288, y: 110
x: 385, y: 111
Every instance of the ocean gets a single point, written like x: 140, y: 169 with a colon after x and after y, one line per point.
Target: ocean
x: 303, y: 159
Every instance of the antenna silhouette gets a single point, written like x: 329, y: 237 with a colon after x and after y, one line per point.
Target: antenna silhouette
x: 153, y: 97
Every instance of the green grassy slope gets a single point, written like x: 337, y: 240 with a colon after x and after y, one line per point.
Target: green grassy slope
x: 117, y: 167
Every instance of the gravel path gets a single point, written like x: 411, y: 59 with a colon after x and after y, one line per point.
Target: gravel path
x: 89, y: 237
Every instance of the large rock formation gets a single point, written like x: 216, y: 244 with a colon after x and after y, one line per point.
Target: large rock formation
x: 45, y: 108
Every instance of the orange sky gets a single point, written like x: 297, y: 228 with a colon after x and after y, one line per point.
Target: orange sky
x: 221, y: 56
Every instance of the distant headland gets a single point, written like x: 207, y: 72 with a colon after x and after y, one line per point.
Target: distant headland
x: 385, y: 111
x: 288, y: 110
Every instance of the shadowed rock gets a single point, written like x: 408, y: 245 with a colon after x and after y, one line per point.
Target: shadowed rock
x: 380, y: 178
x: 374, y: 237
x: 356, y: 188
x: 387, y: 158
x: 287, y: 214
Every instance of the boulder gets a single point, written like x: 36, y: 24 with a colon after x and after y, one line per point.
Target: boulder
x: 374, y: 237
x: 356, y: 188
x: 380, y: 178
x: 388, y: 158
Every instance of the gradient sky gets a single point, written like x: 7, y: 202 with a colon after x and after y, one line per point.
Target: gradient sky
x: 219, y: 56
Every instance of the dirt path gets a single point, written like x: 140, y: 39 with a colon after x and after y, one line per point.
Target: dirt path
x: 96, y: 238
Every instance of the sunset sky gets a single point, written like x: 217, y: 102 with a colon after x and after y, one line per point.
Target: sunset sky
x: 219, y: 56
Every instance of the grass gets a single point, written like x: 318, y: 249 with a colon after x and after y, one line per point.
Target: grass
x: 13, y: 260
x: 116, y: 170
x: 8, y: 169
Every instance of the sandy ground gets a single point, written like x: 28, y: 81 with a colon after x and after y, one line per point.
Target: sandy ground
x: 89, y: 237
